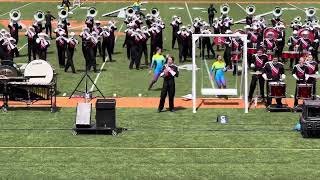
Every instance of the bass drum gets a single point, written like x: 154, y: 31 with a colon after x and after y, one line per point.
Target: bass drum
x: 270, y: 29
x: 310, y: 36
x: 39, y: 71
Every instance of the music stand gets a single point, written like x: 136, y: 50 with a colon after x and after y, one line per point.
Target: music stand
x: 86, y: 92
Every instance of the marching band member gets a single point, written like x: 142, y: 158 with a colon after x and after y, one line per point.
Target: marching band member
x: 312, y: 69
x: 66, y: 3
x: 31, y: 36
x: 176, y: 22
x: 156, y: 38
x: 49, y: 17
x: 84, y: 35
x: 38, y: 27
x: 9, y: 46
x: 169, y: 72
x: 42, y: 45
x: 190, y: 30
x: 65, y: 23
x: 197, y: 24
x: 316, y: 42
x: 304, y: 44
x: 226, y: 24
x: 273, y: 71
x: 14, y: 27
x: 71, y: 45
x: 91, y: 48
x: 281, y: 39
x: 227, y: 50
x: 128, y: 42
x: 136, y: 49
x: 211, y: 13
x: 254, y: 39
x: 236, y: 52
x: 157, y: 64
x: 106, y: 43
x: 269, y: 45
x: 89, y: 22
x: 113, y: 28
x: 61, y: 43
x: 206, y: 42
x: 98, y: 30
x: 292, y: 43
x: 260, y: 60
x: 183, y: 45
x: 145, y: 36
x: 299, y: 73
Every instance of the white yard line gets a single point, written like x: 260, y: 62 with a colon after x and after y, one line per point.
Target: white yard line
x: 165, y: 148
x: 104, y: 63
x: 23, y: 46
x: 241, y: 7
x: 16, y: 9
x: 296, y: 7
x: 205, y: 61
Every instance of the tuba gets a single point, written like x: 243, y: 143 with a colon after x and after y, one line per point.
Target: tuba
x: 224, y: 9
x: 310, y: 12
x: 92, y: 12
x: 38, y: 16
x: 63, y: 14
x: 250, y: 9
x: 277, y: 12
x: 15, y: 15
x: 155, y: 12
x: 130, y: 12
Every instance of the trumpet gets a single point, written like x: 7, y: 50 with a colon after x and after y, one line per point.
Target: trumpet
x: 277, y: 12
x: 38, y: 16
x: 155, y: 12
x: 250, y: 9
x: 63, y: 14
x: 92, y: 12
x: 224, y: 9
x: 15, y: 15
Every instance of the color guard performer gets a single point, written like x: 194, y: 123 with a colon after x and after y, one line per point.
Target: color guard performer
x: 157, y: 64
x: 273, y: 71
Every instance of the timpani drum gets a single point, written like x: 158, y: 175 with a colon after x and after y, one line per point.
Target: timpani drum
x: 304, y: 91
x: 277, y: 89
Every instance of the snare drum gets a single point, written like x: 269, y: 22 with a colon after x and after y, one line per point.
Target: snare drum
x: 304, y: 91
x: 277, y: 89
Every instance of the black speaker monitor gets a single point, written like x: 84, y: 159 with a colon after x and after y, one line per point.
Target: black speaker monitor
x: 106, y: 113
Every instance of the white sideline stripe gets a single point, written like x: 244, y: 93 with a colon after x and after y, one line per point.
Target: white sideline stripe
x: 77, y: 7
x: 104, y: 63
x: 23, y: 46
x: 17, y: 8
x: 165, y: 148
x: 187, y: 7
x: 241, y: 7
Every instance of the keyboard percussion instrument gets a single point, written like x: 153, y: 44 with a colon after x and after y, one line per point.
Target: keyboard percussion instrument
x: 37, y: 83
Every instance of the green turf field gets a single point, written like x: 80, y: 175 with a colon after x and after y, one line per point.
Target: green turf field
x: 37, y: 144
